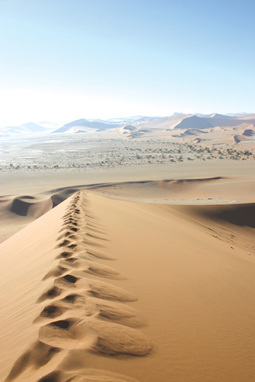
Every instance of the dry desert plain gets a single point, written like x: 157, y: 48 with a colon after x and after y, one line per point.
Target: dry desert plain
x: 128, y: 258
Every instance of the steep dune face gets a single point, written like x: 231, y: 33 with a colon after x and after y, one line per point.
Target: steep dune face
x: 18, y: 211
x: 242, y: 215
x: 104, y: 290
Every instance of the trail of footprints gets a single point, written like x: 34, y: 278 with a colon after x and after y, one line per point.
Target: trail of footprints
x: 79, y: 311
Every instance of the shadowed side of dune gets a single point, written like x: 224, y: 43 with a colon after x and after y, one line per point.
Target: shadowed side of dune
x: 35, y: 207
x: 19, y: 207
x: 29, y: 206
x: 242, y: 215
x: 62, y: 195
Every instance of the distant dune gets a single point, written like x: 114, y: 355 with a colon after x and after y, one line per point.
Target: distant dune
x: 195, y: 122
x: 249, y: 132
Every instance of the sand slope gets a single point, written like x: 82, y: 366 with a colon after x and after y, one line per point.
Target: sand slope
x: 191, y: 187
x: 106, y: 290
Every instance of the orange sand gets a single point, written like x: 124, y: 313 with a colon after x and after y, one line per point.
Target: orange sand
x: 99, y: 289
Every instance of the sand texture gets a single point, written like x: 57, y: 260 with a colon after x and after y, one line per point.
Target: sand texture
x: 100, y: 289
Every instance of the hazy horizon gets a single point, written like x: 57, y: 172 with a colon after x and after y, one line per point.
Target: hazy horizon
x: 117, y: 119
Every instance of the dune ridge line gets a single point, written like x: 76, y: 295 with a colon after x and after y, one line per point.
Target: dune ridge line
x: 80, y: 312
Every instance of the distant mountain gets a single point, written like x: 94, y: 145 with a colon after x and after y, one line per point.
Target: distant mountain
x: 79, y: 123
x: 239, y: 115
x: 11, y: 130
x: 133, y: 119
x: 129, y: 128
x: 26, y: 128
x: 34, y: 127
x: 219, y: 116
x: 49, y: 125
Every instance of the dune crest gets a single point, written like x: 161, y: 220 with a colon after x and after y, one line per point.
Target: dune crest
x: 72, y: 314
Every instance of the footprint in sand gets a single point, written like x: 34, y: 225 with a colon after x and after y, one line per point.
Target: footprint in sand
x: 72, y: 304
x: 55, y: 272
x: 89, y: 267
x: 65, y: 235
x: 94, y: 288
x: 69, y: 226
x: 119, y: 339
x: 102, y: 336
x: 98, y: 254
x: 64, y: 243
x: 88, y: 375
x: 72, y: 333
x: 107, y: 291
x: 38, y: 355
x: 65, y: 255
x: 50, y: 294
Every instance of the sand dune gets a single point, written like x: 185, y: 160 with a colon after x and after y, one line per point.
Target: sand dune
x: 238, y: 214
x: 77, y: 295
x: 249, y: 132
x: 194, y: 122
x: 99, y: 289
x: 18, y: 211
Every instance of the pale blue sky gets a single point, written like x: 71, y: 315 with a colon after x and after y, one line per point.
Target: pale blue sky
x: 68, y: 59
